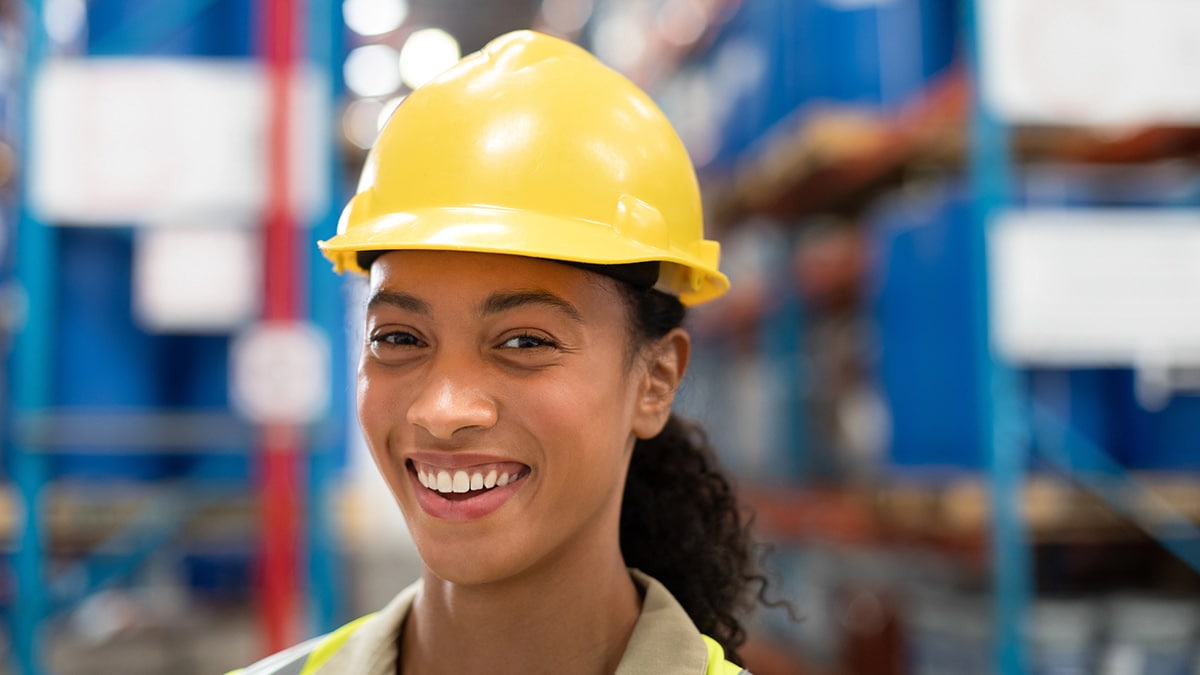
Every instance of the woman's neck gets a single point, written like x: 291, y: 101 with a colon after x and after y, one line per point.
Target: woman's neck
x: 571, y: 619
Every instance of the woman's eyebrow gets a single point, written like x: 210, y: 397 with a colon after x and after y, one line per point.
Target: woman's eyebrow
x: 504, y: 301
x: 400, y: 300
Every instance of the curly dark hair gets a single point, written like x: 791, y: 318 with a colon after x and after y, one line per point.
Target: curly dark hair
x: 680, y: 519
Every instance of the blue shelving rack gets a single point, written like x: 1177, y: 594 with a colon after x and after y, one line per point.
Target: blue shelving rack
x: 32, y: 352
x: 36, y: 273
x: 1000, y: 418
x: 1010, y: 423
x: 805, y: 58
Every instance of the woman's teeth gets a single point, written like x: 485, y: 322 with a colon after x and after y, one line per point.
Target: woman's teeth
x: 448, y: 482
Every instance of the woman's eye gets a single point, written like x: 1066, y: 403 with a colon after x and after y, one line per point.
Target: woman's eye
x: 396, y: 339
x: 527, y: 342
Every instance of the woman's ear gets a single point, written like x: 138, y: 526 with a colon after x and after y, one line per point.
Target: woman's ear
x: 666, y: 363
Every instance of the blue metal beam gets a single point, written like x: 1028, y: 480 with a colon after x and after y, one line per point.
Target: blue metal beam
x: 143, y: 30
x: 1002, y: 419
x: 31, y: 360
x: 324, y: 38
x: 780, y: 344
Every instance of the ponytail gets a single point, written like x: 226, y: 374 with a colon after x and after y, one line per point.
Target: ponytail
x: 681, y: 525
x: 680, y: 521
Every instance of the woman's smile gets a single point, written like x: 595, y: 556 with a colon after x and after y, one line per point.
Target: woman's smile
x: 470, y: 482
x: 454, y: 498
x: 461, y: 494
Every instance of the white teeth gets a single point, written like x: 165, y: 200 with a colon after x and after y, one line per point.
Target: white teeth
x: 446, y: 481
x: 462, y: 482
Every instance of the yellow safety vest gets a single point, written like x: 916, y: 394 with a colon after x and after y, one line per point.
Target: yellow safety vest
x: 308, y: 657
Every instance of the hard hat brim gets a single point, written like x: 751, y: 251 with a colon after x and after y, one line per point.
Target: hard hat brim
x: 511, y: 232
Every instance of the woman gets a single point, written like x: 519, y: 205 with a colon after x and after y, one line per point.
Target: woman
x: 530, y: 226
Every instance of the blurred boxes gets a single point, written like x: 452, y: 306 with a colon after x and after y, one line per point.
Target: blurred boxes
x: 922, y: 304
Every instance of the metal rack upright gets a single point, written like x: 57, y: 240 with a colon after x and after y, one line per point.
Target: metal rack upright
x: 33, y: 357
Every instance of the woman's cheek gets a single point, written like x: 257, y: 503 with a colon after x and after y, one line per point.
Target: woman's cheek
x: 372, y: 413
x: 364, y: 406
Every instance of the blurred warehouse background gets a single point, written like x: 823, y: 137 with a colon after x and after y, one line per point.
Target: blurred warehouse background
x: 958, y: 377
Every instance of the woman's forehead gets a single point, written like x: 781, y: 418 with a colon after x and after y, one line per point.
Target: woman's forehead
x: 434, y: 276
x: 442, y: 265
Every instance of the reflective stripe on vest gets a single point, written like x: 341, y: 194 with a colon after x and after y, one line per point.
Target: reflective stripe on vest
x: 717, y: 665
x: 287, y: 662
x: 331, y: 644
x: 306, y: 657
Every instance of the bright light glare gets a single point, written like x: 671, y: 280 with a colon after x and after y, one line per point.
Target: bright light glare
x: 426, y: 54
x: 64, y: 19
x: 372, y: 70
x: 566, y: 16
x: 374, y: 17
x: 360, y: 122
x: 620, y: 40
x: 682, y: 22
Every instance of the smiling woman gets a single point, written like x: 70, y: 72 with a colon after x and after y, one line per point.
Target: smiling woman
x: 524, y: 346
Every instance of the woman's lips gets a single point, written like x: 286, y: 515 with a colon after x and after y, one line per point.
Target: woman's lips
x: 461, y: 494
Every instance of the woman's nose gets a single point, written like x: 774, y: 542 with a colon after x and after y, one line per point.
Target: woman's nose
x: 448, y: 404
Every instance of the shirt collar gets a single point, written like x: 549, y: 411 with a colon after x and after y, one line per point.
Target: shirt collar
x: 664, y: 639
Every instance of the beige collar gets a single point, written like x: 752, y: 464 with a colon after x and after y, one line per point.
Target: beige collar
x: 664, y: 639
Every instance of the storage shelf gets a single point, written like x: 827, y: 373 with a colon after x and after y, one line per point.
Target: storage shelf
x: 837, y: 159
x: 78, y: 519
x: 1020, y: 517
x: 96, y: 491
x: 954, y: 516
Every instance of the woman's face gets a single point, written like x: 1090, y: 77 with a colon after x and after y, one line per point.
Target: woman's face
x: 498, y: 400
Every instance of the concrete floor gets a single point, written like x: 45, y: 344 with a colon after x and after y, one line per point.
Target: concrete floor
x: 162, y: 628
x: 140, y: 633
x: 213, y: 642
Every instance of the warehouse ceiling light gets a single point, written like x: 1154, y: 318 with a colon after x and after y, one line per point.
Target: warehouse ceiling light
x: 372, y: 70
x: 426, y: 54
x: 682, y: 22
x: 64, y: 19
x: 360, y: 122
x: 374, y: 17
x: 566, y: 16
x: 620, y: 38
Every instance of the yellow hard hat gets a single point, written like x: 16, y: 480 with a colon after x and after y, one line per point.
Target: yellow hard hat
x: 533, y: 147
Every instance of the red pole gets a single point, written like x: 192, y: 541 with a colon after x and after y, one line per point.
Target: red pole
x: 280, y: 489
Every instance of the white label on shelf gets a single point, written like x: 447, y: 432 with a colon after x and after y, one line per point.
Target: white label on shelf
x: 1092, y: 62
x: 280, y: 373
x: 1096, y: 287
x: 190, y: 279
x: 150, y: 140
